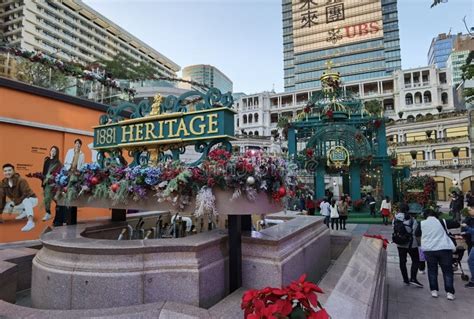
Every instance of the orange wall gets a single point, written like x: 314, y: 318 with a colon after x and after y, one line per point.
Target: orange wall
x: 26, y: 147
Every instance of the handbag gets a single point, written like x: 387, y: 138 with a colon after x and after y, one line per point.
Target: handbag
x: 334, y: 212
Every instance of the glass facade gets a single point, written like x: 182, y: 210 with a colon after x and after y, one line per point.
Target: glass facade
x: 208, y: 75
x: 360, y: 37
x: 440, y: 49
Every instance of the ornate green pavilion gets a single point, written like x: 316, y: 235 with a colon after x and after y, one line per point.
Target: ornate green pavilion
x: 337, y: 134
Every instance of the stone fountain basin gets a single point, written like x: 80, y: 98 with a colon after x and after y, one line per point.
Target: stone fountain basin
x: 75, y: 272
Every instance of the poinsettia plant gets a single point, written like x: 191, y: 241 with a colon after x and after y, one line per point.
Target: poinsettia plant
x: 297, y: 300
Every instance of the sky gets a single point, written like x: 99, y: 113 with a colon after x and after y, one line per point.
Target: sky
x: 243, y: 38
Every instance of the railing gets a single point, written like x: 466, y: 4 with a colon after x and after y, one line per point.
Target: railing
x: 447, y: 115
x: 432, y: 140
x: 444, y: 163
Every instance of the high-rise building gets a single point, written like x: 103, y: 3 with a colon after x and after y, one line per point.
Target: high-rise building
x: 440, y: 49
x: 71, y: 30
x: 360, y: 37
x: 208, y: 75
x: 462, y: 45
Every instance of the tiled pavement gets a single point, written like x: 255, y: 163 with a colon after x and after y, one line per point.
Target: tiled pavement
x: 415, y: 303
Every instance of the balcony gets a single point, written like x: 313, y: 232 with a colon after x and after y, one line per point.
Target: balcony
x: 458, y: 139
x: 444, y: 163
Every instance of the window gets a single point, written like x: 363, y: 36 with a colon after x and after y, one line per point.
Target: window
x: 245, y: 119
x: 250, y: 118
x: 256, y: 117
x: 427, y: 97
x: 417, y: 98
x: 444, y: 98
x: 408, y: 99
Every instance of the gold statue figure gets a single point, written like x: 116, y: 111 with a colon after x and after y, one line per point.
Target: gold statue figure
x: 155, y: 107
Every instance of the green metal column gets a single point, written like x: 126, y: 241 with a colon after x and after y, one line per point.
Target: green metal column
x: 291, y: 143
x: 355, y: 180
x: 387, y: 178
x: 386, y: 167
x: 345, y: 183
x: 319, y: 181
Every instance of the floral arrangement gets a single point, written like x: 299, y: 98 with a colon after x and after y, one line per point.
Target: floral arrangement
x: 385, y: 241
x: 174, y: 182
x: 419, y: 189
x: 297, y: 300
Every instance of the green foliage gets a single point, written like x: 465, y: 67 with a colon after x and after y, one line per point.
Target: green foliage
x: 120, y: 67
x: 283, y: 122
x: 436, y: 2
x: 101, y: 191
x: 467, y: 74
x: 374, y: 107
x: 41, y: 75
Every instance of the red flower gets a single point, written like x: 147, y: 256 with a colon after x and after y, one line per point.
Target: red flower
x: 307, y: 109
x: 385, y: 241
x: 329, y: 114
x: 309, y: 152
x: 211, y: 182
x: 377, y: 123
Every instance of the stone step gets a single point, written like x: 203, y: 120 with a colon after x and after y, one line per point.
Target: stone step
x: 229, y: 307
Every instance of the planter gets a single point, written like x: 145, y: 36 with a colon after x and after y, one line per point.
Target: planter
x: 413, y: 154
x: 263, y: 204
x: 400, y: 115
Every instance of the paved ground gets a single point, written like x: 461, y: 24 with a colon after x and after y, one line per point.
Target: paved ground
x: 415, y: 303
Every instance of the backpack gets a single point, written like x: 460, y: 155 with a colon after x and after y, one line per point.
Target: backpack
x: 400, y: 235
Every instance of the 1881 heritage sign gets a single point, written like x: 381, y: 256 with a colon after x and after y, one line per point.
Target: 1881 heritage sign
x: 169, y: 128
x: 148, y: 132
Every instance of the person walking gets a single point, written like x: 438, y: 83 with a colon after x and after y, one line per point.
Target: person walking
x: 404, y: 228
x: 343, y: 208
x: 386, y: 209
x: 438, y: 249
x: 334, y: 215
x: 456, y: 205
x: 469, y: 222
x: 467, y: 227
x: 325, y: 211
x: 371, y: 201
x: 310, y: 205
x: 21, y: 197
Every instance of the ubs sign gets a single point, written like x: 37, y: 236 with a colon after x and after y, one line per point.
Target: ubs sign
x: 319, y: 23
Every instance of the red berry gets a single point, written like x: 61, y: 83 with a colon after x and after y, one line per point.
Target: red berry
x: 94, y: 180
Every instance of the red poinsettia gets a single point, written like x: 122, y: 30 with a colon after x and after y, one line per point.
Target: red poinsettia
x: 307, y: 109
x: 329, y: 114
x: 309, y: 152
x: 377, y: 123
x: 275, y: 303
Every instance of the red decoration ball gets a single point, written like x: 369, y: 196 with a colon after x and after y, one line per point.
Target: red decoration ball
x: 114, y: 187
x: 94, y: 180
x: 282, y: 191
x: 65, y: 189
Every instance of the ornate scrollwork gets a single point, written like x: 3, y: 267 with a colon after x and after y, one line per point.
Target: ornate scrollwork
x: 197, y: 101
x: 111, y: 157
x: 206, y: 147
x: 116, y: 113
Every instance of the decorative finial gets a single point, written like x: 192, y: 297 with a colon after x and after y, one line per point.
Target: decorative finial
x: 329, y: 65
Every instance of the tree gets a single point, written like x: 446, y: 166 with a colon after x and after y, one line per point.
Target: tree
x: 468, y: 74
x: 41, y: 75
x: 120, y: 67
x: 374, y: 107
x: 436, y: 2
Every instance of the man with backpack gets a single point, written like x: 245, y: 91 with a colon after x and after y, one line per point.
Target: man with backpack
x: 404, y: 228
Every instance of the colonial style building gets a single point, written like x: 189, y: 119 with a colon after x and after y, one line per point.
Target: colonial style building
x: 423, y: 114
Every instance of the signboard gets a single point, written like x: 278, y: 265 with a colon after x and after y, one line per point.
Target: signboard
x: 319, y: 24
x: 167, y: 128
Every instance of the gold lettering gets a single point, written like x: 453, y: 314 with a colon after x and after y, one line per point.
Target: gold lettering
x: 182, y: 128
x: 212, y: 120
x: 149, y: 128
x: 160, y: 131
x: 139, y: 132
x: 201, y: 126
x: 170, y: 127
x: 128, y: 133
